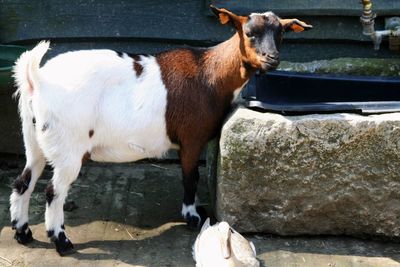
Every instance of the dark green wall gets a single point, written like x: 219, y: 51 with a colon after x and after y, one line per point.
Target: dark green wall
x: 309, y: 7
x: 154, y: 25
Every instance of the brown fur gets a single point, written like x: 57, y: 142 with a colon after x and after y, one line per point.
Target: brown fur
x: 200, y: 90
x: 200, y: 87
x: 85, y: 157
x: 138, y: 68
x: 136, y: 65
x: 21, y: 184
x: 200, y: 84
x: 223, y: 66
x: 49, y: 192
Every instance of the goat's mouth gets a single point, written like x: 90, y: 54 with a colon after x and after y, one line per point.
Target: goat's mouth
x: 269, y: 65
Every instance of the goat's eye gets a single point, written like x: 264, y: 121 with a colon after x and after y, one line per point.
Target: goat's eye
x: 251, y: 36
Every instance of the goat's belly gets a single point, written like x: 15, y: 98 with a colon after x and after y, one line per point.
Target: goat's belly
x: 127, y: 153
x: 105, y: 154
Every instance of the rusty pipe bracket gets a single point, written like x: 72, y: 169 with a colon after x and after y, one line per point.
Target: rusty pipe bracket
x: 393, y: 24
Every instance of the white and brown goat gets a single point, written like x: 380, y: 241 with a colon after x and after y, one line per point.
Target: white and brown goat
x: 118, y: 107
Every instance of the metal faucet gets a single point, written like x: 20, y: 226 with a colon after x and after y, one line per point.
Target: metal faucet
x: 368, y: 22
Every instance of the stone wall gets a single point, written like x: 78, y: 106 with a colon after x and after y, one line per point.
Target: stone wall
x: 313, y: 174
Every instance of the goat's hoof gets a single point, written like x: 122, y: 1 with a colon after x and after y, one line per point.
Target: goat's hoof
x: 64, y: 250
x: 23, y: 237
x: 194, y: 222
x: 63, y: 245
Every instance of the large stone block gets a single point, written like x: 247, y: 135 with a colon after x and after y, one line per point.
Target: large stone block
x: 313, y: 174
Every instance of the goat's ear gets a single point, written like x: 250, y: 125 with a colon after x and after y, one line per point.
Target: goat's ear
x: 224, y: 237
x: 206, y: 225
x: 295, y: 25
x: 226, y: 16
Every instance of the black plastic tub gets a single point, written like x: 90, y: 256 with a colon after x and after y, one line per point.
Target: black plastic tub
x: 293, y: 92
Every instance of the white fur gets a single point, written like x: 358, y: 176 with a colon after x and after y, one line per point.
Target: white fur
x: 268, y: 13
x: 80, y: 91
x: 221, y: 246
x: 191, y: 209
x: 98, y: 90
x: 237, y: 92
x: 35, y: 160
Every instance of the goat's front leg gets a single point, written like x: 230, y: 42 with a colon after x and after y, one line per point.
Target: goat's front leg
x: 193, y: 215
x: 56, y: 193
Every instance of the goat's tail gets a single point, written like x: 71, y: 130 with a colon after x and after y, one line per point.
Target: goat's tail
x: 26, y: 69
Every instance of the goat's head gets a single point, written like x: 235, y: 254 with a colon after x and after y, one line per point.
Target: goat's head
x: 260, y: 36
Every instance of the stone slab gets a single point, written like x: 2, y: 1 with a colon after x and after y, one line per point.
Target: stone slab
x: 309, y: 175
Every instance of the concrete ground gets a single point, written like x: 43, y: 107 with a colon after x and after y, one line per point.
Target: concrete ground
x: 128, y: 215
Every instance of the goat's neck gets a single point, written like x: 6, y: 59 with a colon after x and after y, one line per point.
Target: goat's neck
x: 224, y: 68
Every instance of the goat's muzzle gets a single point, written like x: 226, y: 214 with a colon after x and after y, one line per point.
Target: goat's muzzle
x: 269, y: 64
x: 269, y: 61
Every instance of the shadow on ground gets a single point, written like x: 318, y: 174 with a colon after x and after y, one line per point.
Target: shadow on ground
x: 129, y: 215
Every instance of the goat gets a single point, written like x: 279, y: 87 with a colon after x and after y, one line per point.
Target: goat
x: 109, y: 106
x: 221, y: 246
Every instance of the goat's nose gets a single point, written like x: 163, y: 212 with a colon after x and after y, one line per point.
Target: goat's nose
x: 273, y: 56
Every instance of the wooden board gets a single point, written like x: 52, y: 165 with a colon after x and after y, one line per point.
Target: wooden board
x: 307, y: 8
x: 175, y: 21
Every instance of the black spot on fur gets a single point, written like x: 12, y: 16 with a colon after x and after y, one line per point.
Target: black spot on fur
x: 14, y: 224
x: 135, y: 57
x: 49, y: 193
x: 45, y: 127
x: 34, y: 121
x: 50, y: 233
x: 91, y: 132
x: 21, y: 184
x: 63, y: 227
x: 120, y: 54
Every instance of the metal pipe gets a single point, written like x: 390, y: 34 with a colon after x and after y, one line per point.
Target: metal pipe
x: 368, y: 18
x: 368, y: 22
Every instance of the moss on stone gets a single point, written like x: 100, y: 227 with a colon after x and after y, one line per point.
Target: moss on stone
x: 349, y: 66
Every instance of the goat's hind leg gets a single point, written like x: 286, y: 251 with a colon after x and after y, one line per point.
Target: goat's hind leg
x: 56, y: 193
x: 24, y: 185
